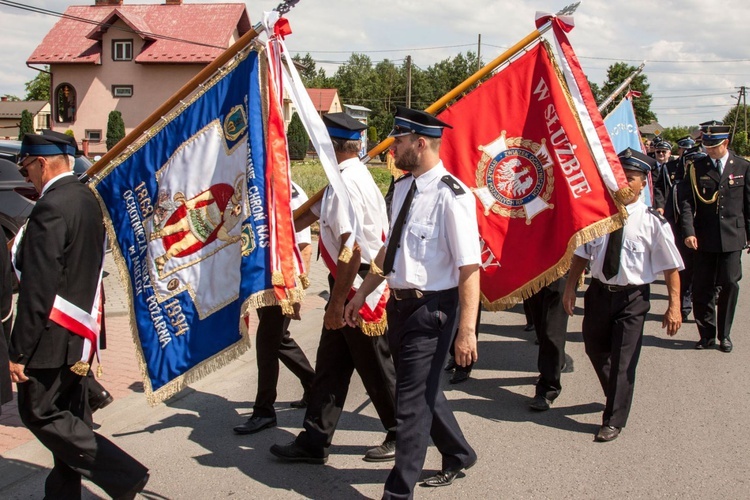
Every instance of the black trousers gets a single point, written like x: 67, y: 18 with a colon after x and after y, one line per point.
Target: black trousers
x: 420, y: 332
x: 53, y: 405
x: 686, y: 275
x: 273, y: 343
x: 340, y: 352
x: 551, y: 325
x: 712, y: 271
x: 612, y: 334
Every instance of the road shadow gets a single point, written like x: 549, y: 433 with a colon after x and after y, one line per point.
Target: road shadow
x: 210, y: 423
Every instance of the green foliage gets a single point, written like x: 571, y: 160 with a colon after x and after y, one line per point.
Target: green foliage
x: 27, y: 124
x: 618, y: 73
x: 741, y: 114
x: 298, y: 139
x: 672, y: 134
x: 11, y: 97
x: 311, y: 78
x: 740, y: 144
x: 311, y: 177
x: 115, y: 128
x: 38, y: 88
x: 69, y: 133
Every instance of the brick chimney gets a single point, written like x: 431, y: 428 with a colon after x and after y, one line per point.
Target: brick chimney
x: 102, y: 3
x: 173, y: 2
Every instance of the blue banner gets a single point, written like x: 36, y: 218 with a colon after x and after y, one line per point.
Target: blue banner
x: 188, y: 215
x: 622, y: 127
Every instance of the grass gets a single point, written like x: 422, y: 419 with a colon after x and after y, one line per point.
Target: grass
x: 311, y: 178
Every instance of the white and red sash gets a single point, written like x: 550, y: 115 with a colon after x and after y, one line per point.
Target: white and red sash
x: 372, y: 317
x: 71, y: 317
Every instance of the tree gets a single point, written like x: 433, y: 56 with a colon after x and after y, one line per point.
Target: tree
x: 298, y: 139
x: 741, y: 113
x: 311, y: 78
x: 740, y: 144
x: 618, y: 73
x: 115, y: 128
x: 672, y: 134
x: 38, y: 88
x: 27, y: 124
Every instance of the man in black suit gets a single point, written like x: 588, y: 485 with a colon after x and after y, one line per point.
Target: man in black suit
x: 59, y: 259
x: 715, y: 222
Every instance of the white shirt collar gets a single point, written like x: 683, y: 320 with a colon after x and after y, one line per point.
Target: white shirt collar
x: 53, y: 180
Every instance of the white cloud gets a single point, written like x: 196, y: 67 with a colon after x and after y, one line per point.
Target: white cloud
x: 611, y: 30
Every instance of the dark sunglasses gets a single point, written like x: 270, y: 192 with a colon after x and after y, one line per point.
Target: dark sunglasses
x: 23, y: 169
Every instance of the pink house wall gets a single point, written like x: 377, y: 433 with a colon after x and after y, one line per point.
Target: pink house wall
x: 152, y: 85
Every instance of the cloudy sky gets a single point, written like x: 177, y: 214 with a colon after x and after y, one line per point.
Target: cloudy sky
x: 696, y: 51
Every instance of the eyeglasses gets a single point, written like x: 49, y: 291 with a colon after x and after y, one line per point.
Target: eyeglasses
x: 661, y: 152
x: 23, y: 169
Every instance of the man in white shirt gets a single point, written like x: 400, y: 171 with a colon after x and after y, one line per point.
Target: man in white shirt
x: 432, y: 265
x: 623, y: 264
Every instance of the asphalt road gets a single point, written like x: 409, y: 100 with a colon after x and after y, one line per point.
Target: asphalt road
x: 687, y: 436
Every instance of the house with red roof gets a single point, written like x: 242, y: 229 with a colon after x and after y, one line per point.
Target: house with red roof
x: 325, y: 100
x: 131, y: 58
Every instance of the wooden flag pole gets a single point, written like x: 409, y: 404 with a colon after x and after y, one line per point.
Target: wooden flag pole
x: 458, y: 90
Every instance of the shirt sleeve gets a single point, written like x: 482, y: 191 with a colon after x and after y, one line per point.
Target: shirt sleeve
x: 462, y: 232
x: 664, y: 253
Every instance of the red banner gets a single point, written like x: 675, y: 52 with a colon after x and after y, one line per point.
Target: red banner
x: 518, y: 143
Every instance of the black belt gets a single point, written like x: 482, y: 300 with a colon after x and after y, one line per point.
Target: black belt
x: 616, y: 288
x: 410, y: 293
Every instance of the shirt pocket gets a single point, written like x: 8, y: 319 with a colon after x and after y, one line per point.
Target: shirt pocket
x: 423, y: 240
x: 634, y: 252
x: 736, y: 182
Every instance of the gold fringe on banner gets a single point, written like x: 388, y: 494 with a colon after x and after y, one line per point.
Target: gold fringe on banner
x: 624, y: 195
x: 304, y: 281
x: 374, y: 329
x: 600, y: 228
x: 346, y: 255
x: 277, y: 278
x: 374, y: 269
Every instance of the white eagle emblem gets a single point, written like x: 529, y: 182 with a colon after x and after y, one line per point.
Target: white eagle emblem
x: 514, y: 178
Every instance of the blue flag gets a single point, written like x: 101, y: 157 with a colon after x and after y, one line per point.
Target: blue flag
x: 623, y: 130
x: 187, y: 213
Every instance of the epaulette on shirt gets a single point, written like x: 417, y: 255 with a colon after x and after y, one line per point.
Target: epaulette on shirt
x: 658, y: 215
x: 453, y: 184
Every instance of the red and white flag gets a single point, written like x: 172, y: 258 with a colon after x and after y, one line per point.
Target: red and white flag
x: 540, y: 163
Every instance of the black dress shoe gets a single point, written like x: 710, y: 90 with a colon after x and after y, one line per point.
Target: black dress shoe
x: 293, y: 452
x: 459, y: 376
x: 100, y: 399
x: 540, y: 403
x: 255, y: 424
x: 705, y: 344
x: 685, y: 316
x: 529, y: 327
x: 302, y: 403
x: 450, y: 365
x: 386, y: 452
x: 726, y: 345
x: 130, y: 495
x: 607, y: 433
x: 445, y: 477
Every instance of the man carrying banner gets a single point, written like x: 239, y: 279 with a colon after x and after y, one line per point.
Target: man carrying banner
x: 342, y: 348
x: 273, y: 343
x: 623, y: 264
x: 432, y: 266
x: 715, y: 222
x: 58, y: 257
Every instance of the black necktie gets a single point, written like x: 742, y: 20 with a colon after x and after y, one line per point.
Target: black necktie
x: 718, y: 166
x: 398, y: 228
x: 611, y: 264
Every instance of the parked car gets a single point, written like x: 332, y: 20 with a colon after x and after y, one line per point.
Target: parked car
x: 17, y: 197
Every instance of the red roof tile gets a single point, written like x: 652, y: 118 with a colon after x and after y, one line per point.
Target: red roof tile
x: 322, y: 98
x: 74, y: 41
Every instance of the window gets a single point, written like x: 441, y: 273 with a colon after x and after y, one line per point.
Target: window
x: 94, y: 135
x: 122, y: 91
x: 65, y: 103
x: 122, y: 50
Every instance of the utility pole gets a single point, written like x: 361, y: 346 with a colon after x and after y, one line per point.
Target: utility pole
x: 740, y: 98
x: 408, y: 81
x: 479, y: 52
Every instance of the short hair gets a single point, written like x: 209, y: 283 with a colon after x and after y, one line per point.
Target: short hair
x: 433, y: 143
x: 345, y: 145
